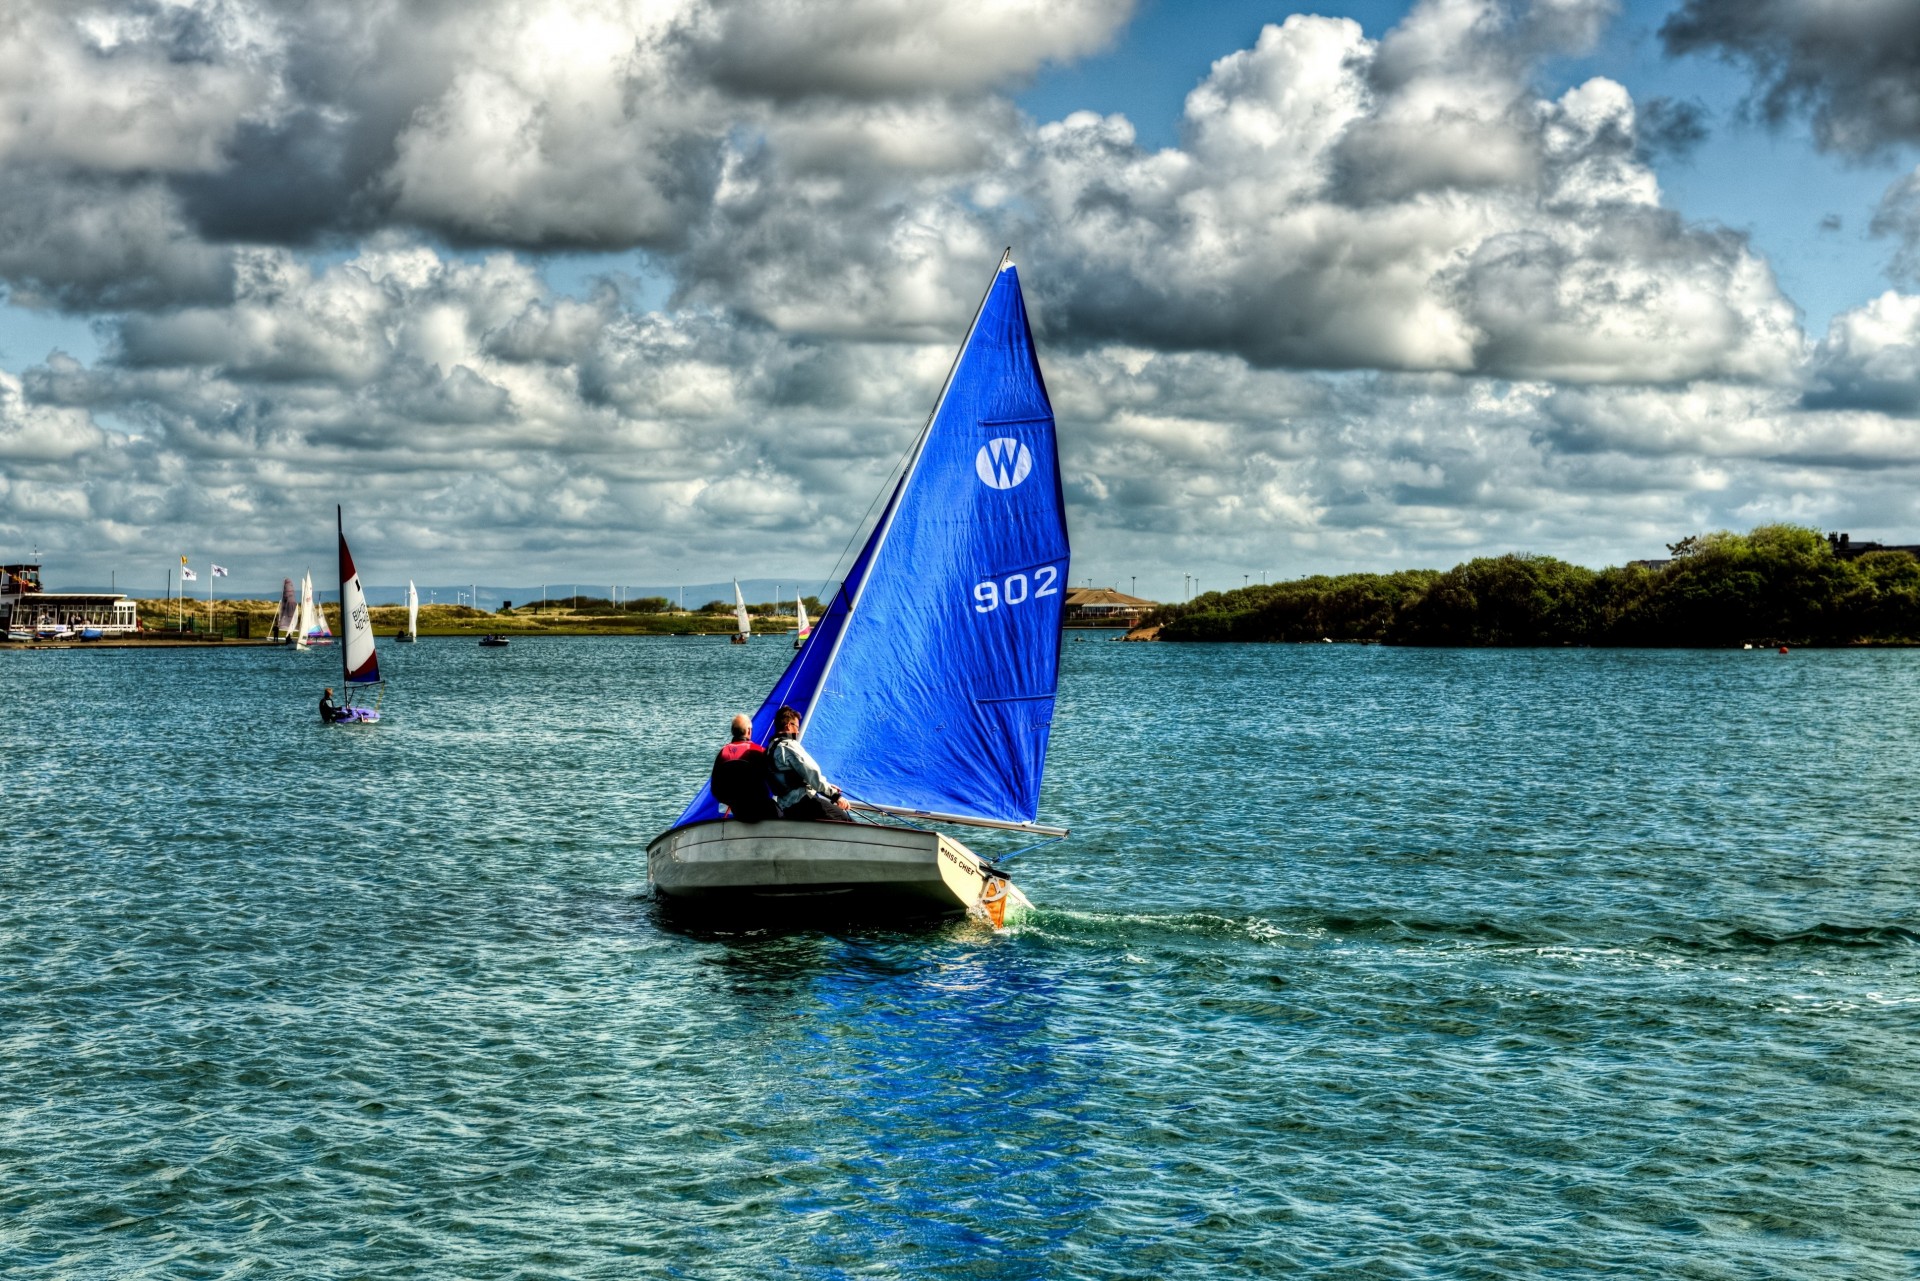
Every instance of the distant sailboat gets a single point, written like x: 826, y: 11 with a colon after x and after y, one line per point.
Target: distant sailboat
x: 359, y: 666
x: 740, y: 612
x: 413, y: 616
x: 289, y: 615
x: 800, y: 634
x: 930, y: 691
x: 313, y: 619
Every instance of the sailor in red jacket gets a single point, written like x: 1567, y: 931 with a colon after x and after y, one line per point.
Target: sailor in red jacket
x: 740, y: 776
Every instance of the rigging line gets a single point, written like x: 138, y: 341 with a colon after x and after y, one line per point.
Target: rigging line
x: 913, y: 467
x: 913, y: 446
x: 885, y: 483
x: 1001, y: 858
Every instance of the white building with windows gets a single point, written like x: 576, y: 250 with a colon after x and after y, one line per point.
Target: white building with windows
x: 25, y: 610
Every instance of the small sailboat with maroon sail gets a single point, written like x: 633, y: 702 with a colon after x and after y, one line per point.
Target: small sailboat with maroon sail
x: 283, y: 622
x: 927, y: 685
x: 360, y: 667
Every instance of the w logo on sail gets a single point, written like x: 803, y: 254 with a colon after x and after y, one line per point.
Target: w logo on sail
x: 1003, y: 462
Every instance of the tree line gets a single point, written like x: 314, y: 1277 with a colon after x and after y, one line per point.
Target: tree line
x: 1778, y: 584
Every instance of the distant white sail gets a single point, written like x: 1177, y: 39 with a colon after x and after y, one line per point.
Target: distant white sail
x: 805, y: 626
x: 740, y: 609
x: 313, y: 619
x: 413, y: 610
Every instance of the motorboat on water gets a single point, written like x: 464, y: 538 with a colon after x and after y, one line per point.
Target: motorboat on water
x: 927, y: 686
x: 493, y: 640
x: 359, y: 665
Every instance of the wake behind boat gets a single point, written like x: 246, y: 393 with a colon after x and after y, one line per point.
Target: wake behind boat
x: 927, y: 686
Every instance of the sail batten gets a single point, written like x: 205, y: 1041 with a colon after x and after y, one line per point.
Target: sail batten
x: 929, y: 681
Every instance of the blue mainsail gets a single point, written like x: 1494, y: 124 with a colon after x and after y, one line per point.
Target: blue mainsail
x: 928, y: 684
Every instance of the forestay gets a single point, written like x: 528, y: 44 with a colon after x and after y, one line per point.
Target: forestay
x: 928, y: 684
x: 356, y: 654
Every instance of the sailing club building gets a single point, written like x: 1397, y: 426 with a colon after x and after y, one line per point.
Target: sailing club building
x: 1104, y: 606
x: 24, y: 607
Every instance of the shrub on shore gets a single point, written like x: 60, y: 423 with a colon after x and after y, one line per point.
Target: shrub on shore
x: 1777, y: 583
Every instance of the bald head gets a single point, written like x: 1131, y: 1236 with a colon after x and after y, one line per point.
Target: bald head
x: 742, y: 727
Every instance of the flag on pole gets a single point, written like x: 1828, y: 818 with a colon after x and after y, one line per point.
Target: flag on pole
x: 219, y: 571
x: 187, y: 575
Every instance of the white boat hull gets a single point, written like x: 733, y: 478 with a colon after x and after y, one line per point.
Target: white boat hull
x: 803, y: 864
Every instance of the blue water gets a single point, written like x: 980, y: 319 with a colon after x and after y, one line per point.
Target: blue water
x: 1361, y: 962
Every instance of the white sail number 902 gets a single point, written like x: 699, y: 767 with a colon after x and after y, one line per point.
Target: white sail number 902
x: 1012, y: 590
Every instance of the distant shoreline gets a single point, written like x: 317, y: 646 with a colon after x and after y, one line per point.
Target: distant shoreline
x: 1777, y: 585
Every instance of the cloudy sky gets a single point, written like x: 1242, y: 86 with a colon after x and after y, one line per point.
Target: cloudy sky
x: 650, y: 290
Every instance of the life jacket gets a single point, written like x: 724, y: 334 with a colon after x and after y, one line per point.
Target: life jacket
x: 740, y: 781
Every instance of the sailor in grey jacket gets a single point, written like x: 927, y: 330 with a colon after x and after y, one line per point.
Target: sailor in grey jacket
x: 798, y: 784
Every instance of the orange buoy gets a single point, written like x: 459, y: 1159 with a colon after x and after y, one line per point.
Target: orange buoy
x: 1783, y: 649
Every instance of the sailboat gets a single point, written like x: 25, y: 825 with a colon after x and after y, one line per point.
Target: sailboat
x: 289, y: 614
x: 359, y: 667
x: 800, y: 632
x: 927, y: 688
x: 413, y: 616
x: 745, y: 633
x: 313, y: 619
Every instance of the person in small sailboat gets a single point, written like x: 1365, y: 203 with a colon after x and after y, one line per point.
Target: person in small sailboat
x: 740, y: 776
x: 328, y: 712
x: 798, y: 787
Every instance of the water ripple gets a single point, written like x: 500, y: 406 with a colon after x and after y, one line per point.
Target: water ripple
x: 1360, y: 963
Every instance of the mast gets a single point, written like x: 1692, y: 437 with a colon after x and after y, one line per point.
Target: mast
x: 900, y: 494
x: 340, y: 525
